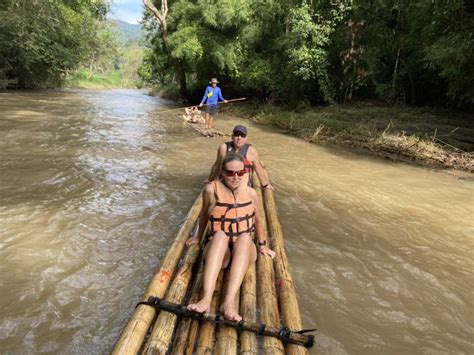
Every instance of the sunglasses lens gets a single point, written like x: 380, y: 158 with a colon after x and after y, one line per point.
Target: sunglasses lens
x: 237, y: 134
x: 231, y: 173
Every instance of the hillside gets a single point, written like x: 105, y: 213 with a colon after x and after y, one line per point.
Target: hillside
x: 128, y: 32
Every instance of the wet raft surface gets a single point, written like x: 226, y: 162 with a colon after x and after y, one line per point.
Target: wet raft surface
x: 266, y: 296
x: 207, y: 132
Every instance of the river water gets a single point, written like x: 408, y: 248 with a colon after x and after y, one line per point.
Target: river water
x: 95, y: 184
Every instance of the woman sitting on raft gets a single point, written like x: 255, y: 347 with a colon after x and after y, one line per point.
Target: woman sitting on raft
x: 230, y: 210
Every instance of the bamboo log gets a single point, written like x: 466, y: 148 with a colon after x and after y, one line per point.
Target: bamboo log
x: 192, y: 337
x: 194, y: 325
x: 284, y: 282
x: 187, y: 332
x: 226, y: 340
x: 161, y: 336
x: 187, y: 327
x: 205, y: 342
x: 266, y: 296
x: 248, y: 305
x: 131, y: 338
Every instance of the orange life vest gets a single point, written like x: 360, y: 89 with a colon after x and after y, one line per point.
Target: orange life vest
x: 232, y: 214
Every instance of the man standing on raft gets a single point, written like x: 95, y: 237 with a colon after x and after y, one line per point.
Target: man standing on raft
x: 230, y: 211
x: 212, y: 95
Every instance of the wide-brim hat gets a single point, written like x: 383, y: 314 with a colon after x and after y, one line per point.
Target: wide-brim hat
x: 213, y: 80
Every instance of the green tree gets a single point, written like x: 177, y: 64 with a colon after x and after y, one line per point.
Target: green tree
x: 451, y: 51
x: 411, y: 51
x: 102, y: 50
x: 161, y: 15
x: 41, y: 41
x: 131, y: 60
x: 398, y: 51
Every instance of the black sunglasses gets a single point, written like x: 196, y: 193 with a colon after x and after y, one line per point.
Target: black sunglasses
x: 237, y: 134
x: 231, y: 173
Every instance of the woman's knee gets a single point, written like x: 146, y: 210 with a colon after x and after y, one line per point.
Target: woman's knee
x: 217, y: 246
x: 244, y: 239
x: 219, y: 239
x: 243, y: 243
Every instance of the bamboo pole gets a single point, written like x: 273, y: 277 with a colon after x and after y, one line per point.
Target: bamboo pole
x: 194, y: 325
x: 132, y: 336
x: 226, y: 340
x: 220, y: 103
x: 161, y: 336
x: 192, y: 337
x: 205, y: 342
x: 248, y: 305
x: 266, y: 296
x: 187, y: 327
x: 284, y: 282
x: 187, y: 331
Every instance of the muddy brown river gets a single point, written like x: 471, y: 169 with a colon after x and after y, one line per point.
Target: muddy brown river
x: 94, y: 186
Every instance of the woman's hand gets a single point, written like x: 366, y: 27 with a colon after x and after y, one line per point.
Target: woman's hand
x: 264, y: 250
x: 193, y: 240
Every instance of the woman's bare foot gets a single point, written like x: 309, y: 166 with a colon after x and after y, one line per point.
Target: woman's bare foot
x: 228, y: 311
x: 201, y: 307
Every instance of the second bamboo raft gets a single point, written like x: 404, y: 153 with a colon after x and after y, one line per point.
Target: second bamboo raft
x: 267, y: 287
x: 205, y: 131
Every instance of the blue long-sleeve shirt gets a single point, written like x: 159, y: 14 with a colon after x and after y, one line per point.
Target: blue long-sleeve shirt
x: 212, y: 95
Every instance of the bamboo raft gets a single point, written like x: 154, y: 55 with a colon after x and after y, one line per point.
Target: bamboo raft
x: 267, y: 287
x: 206, y: 132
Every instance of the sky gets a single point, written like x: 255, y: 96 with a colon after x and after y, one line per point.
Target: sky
x: 126, y: 10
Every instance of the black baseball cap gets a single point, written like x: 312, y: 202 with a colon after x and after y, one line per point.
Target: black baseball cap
x: 240, y: 128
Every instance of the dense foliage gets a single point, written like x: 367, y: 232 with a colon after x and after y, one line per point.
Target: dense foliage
x: 49, y: 42
x: 40, y: 41
x: 293, y: 51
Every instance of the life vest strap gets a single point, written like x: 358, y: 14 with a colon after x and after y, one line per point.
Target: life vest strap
x: 233, y: 205
x: 231, y: 220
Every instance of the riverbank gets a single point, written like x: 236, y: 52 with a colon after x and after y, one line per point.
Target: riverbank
x: 429, y: 137
x: 111, y: 80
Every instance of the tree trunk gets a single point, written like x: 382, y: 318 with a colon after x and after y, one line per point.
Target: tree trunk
x: 412, y: 83
x: 91, y: 67
x: 178, y: 66
x: 395, y: 72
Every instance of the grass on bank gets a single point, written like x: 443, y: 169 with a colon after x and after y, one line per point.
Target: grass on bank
x: 110, y: 80
x: 435, y: 138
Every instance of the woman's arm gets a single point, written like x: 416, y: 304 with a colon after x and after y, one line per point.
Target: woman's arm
x: 207, y: 196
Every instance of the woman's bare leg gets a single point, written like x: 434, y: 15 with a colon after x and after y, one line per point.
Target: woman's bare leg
x: 206, y: 122
x: 244, y: 254
x: 215, y: 256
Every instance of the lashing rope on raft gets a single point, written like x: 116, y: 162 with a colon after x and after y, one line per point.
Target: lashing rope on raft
x: 285, y: 334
